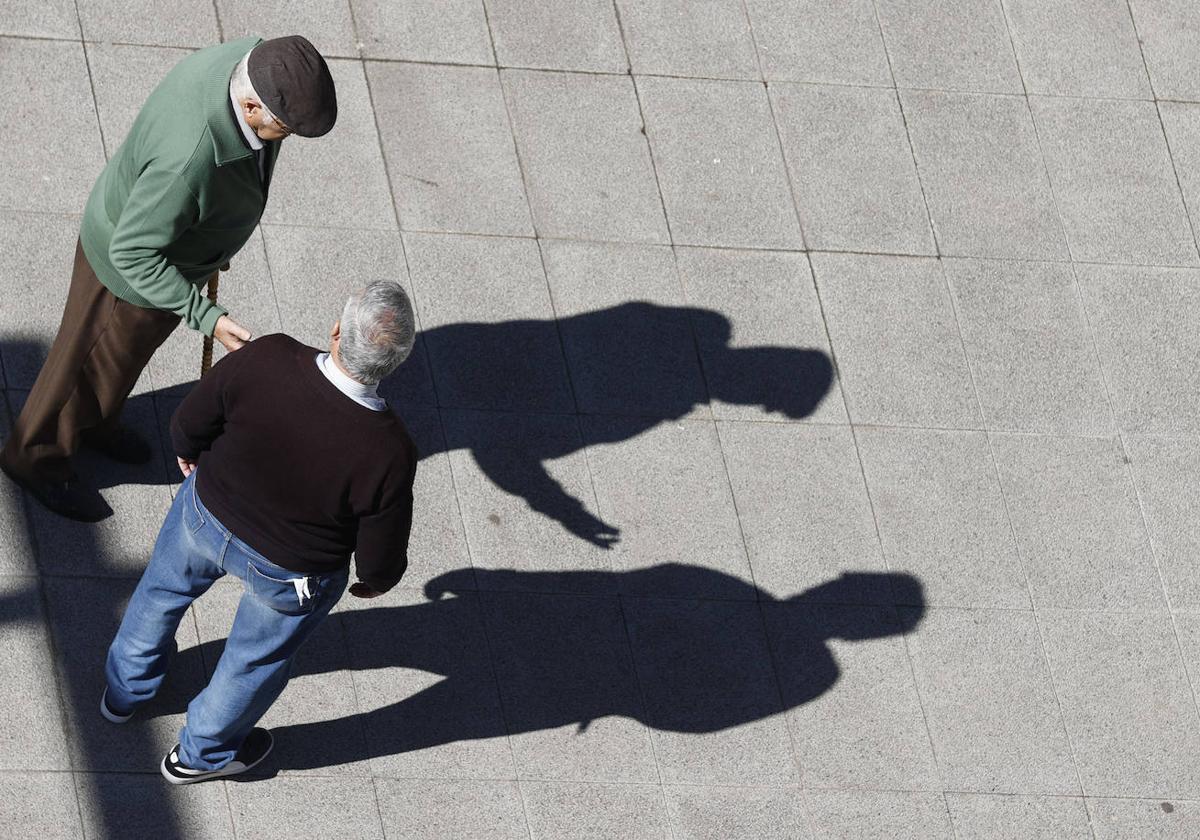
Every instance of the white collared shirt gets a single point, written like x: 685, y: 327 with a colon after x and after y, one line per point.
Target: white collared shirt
x: 364, y: 395
x: 247, y: 131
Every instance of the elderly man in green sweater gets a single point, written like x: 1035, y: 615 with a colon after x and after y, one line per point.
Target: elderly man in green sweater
x: 178, y: 200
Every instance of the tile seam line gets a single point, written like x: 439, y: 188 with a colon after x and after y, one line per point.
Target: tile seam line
x: 217, y: 17
x: 349, y: 56
x: 912, y: 149
x: 1021, y: 558
x: 637, y: 677
x: 699, y: 246
x: 428, y: 364
x: 735, y: 247
x: 1162, y: 127
x: 735, y: 420
x: 31, y: 525
x: 50, y: 644
x: 1129, y: 613
x: 387, y: 173
x: 555, y: 780
x: 666, y: 217
x: 262, y: 234
x: 862, y: 472
x: 493, y: 667
x: 794, y: 747
x: 1130, y: 473
x: 412, y: 288
x: 533, y: 225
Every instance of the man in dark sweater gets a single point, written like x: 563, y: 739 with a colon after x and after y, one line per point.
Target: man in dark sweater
x: 291, y: 463
x: 178, y: 200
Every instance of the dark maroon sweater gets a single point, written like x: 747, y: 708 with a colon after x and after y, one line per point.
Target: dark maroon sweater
x: 295, y: 468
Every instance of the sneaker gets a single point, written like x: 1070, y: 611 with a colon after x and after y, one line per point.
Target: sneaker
x: 70, y: 498
x: 125, y: 446
x: 110, y: 714
x: 255, y: 748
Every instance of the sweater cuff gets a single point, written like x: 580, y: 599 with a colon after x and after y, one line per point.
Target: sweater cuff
x: 208, y: 321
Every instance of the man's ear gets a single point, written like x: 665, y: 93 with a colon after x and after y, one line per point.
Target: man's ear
x: 251, y: 110
x: 336, y: 333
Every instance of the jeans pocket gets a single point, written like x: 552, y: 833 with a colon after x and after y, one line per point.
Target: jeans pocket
x: 294, y: 595
x: 193, y: 516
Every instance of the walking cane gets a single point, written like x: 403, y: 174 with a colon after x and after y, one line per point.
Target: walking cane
x: 206, y: 355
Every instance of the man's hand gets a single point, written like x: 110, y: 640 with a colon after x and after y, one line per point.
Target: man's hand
x: 230, y: 333
x: 186, y: 467
x: 360, y: 590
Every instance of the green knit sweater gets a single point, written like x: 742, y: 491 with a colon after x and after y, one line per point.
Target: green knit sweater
x: 182, y: 194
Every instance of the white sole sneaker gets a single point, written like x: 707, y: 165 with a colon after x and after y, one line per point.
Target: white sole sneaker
x: 258, y: 746
x: 109, y: 714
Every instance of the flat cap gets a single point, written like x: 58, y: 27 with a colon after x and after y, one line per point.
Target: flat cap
x: 293, y: 80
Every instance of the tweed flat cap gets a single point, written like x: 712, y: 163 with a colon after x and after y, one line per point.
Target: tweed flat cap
x: 293, y: 81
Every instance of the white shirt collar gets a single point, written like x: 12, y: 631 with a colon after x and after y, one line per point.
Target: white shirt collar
x: 364, y: 395
x: 247, y: 131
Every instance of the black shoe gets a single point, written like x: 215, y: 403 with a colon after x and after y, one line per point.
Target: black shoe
x: 125, y: 446
x: 111, y: 714
x: 70, y: 498
x: 255, y: 748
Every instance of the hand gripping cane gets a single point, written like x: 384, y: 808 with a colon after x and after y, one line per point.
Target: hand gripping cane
x: 206, y: 355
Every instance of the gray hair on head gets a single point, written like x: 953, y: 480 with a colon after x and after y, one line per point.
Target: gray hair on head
x: 242, y: 89
x: 378, y: 331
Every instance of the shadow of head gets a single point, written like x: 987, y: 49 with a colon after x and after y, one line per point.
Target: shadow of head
x: 636, y: 358
x: 858, y: 588
x: 790, y: 381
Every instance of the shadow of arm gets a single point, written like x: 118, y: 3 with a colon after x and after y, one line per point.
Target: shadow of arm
x: 529, y: 480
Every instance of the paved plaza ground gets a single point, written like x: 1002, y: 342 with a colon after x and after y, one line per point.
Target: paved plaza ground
x: 809, y: 401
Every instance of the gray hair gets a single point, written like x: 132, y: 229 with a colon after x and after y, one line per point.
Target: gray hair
x: 378, y: 331
x: 241, y: 88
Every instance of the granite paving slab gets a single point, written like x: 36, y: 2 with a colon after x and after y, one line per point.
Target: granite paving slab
x: 979, y: 816
x: 585, y: 157
x: 26, y: 183
x: 1078, y: 48
x: 1114, y: 181
x: 964, y: 47
x: 444, y: 31
x: 1126, y: 700
x: 583, y: 35
x: 896, y: 341
x: 941, y: 515
x: 1033, y: 358
x: 710, y: 39
x: 828, y: 41
x: 981, y: 168
x: 718, y: 161
x: 1170, y: 36
x: 449, y: 149
x: 852, y: 169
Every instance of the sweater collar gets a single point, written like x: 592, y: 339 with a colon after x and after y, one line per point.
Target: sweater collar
x: 228, y: 143
x: 364, y: 395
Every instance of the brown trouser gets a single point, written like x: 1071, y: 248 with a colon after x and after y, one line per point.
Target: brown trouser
x: 101, y: 348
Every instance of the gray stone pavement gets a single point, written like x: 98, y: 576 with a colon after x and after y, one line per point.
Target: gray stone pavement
x: 809, y: 395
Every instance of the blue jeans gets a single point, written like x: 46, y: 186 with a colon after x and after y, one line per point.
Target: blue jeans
x: 277, y: 612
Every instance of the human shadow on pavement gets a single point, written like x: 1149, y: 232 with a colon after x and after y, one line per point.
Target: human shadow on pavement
x: 508, y: 398
x: 628, y: 368
x: 522, y: 661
